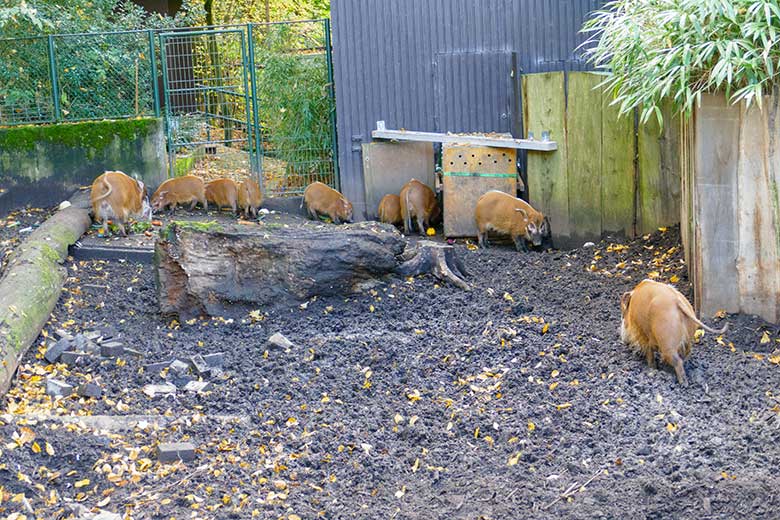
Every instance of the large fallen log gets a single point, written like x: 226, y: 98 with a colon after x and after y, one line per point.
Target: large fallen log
x: 229, y: 271
x: 31, y: 285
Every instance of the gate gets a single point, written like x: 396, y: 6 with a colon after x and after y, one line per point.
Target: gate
x: 209, y: 115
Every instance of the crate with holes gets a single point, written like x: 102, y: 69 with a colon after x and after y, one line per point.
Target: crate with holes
x: 468, y: 172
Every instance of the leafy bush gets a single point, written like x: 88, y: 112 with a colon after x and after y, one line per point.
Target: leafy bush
x: 657, y: 50
x: 97, y: 73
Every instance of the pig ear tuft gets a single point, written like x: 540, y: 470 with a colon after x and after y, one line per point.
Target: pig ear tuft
x: 524, y: 212
x: 625, y: 299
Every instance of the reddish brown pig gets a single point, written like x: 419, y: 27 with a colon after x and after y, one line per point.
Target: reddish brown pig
x: 419, y: 201
x: 500, y: 212
x: 180, y: 190
x: 324, y: 200
x: 116, y: 196
x: 223, y: 193
x: 249, y: 197
x: 390, y: 209
x: 658, y: 318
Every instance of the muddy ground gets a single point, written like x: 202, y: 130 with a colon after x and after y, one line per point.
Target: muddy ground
x: 416, y: 400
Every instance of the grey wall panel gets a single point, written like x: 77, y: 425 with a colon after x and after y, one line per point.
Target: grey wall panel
x: 384, y: 53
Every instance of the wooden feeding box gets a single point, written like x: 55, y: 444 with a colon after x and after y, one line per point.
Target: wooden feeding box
x: 468, y: 172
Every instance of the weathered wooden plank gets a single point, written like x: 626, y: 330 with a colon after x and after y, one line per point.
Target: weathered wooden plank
x: 583, y: 125
x: 618, y: 183
x: 757, y: 260
x: 659, y: 186
x: 687, y: 211
x: 772, y: 128
x: 475, y: 140
x: 715, y: 202
x: 544, y: 108
x: 388, y: 166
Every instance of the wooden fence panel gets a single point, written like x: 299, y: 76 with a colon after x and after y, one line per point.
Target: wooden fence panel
x: 591, y: 186
x: 584, y: 144
x: 544, y: 108
x: 715, y: 204
x: 618, y: 179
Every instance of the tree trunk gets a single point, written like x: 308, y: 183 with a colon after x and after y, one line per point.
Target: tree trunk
x: 229, y: 272
x: 31, y: 286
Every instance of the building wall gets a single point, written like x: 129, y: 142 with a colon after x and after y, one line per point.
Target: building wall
x: 393, y: 58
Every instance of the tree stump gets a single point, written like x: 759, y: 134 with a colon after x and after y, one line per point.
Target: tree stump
x: 435, y: 258
x: 228, y: 271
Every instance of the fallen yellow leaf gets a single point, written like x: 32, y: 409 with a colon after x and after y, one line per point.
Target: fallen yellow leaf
x: 81, y: 483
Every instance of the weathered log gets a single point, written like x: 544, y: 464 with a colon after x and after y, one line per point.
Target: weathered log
x: 31, y: 285
x: 229, y: 271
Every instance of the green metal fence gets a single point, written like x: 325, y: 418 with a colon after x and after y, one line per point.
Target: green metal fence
x: 251, y: 99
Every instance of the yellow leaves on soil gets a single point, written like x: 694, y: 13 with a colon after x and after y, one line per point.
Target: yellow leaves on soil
x: 765, y: 338
x: 81, y: 483
x: 563, y: 406
x: 413, y: 396
x: 514, y: 459
x: 531, y: 426
x: 672, y: 427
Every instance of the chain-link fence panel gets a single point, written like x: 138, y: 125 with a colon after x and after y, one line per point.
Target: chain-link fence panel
x: 104, y: 76
x: 25, y: 81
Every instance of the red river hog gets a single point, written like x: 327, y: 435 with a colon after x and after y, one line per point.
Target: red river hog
x: 116, y: 196
x: 502, y: 213
x: 321, y: 199
x: 249, y: 197
x: 223, y: 193
x: 418, y: 201
x: 658, y: 318
x: 180, y: 190
x: 390, y: 209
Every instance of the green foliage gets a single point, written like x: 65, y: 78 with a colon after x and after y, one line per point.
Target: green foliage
x: 237, y: 11
x: 294, y: 95
x: 99, y: 75
x: 676, y: 50
x: 91, y: 134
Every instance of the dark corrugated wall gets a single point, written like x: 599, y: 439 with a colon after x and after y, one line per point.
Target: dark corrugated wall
x: 397, y: 60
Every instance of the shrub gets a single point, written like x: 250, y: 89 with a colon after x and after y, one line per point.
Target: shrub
x: 659, y: 50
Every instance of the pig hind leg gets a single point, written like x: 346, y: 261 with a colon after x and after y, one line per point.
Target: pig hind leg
x: 421, y: 224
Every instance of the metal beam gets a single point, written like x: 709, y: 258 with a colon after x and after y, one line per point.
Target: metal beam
x: 478, y: 140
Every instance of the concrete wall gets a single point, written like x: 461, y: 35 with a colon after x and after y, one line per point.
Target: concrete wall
x: 42, y: 164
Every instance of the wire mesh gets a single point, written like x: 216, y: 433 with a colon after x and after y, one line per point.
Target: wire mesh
x: 25, y: 81
x: 104, y: 76
x: 295, y: 105
x: 207, y: 103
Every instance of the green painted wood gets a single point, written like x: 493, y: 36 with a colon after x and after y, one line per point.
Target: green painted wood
x: 544, y: 108
x: 658, y: 156
x: 583, y: 125
x: 617, y: 169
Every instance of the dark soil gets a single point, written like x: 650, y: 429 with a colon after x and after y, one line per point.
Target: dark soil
x: 414, y: 400
x: 14, y: 226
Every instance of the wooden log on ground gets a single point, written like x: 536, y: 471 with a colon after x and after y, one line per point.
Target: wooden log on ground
x: 229, y: 271
x: 31, y: 286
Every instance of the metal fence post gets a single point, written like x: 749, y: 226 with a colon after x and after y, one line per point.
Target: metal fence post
x: 332, y: 93
x: 246, y: 62
x: 153, y: 62
x: 258, y: 156
x: 168, y: 130
x: 55, y: 87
